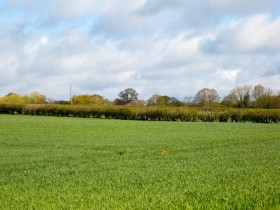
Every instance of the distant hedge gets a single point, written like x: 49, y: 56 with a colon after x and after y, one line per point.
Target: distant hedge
x: 148, y: 113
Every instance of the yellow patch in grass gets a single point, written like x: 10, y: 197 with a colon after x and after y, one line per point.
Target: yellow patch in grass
x: 164, y: 152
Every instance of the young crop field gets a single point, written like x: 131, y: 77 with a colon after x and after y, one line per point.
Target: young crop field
x: 86, y: 163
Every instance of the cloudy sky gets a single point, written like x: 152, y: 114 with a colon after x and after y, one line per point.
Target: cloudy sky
x: 172, y: 47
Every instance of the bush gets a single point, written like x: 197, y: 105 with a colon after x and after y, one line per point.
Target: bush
x: 207, y: 116
x: 147, y: 113
x: 11, y: 108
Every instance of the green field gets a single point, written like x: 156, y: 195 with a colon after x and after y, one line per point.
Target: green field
x: 85, y: 163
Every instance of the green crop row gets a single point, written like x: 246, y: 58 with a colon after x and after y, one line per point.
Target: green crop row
x: 148, y: 113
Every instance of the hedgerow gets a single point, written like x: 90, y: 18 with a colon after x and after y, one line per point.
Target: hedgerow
x: 147, y: 113
x: 11, y: 108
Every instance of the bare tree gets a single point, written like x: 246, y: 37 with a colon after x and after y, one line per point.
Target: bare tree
x: 153, y: 100
x: 243, y: 95
x: 158, y: 100
x: 230, y: 100
x: 262, y: 96
x: 188, y: 99
x: 258, y: 92
x: 206, y: 97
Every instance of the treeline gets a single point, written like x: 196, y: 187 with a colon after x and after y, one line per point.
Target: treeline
x: 245, y: 96
x: 33, y: 98
x: 147, y: 113
x: 252, y: 97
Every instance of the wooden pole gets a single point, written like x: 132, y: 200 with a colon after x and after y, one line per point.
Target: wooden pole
x: 71, y: 94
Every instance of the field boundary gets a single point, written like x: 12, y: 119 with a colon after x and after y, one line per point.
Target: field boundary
x: 147, y: 113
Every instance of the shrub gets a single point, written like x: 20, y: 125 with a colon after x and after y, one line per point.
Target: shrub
x: 207, y: 116
x: 147, y: 113
x: 11, y: 108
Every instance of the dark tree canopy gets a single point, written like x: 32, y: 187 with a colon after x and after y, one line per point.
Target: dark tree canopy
x: 128, y: 95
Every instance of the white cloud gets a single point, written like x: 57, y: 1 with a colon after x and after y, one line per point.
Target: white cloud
x: 44, y: 40
x: 227, y: 74
x: 166, y: 47
x: 8, y: 65
x: 200, y: 13
x: 71, y: 8
x: 258, y: 33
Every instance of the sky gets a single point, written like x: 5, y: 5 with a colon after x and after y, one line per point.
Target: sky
x: 166, y: 47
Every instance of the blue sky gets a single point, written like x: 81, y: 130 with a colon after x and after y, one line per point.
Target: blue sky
x: 172, y: 47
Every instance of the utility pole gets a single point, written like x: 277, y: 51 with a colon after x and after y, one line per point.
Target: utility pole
x: 71, y: 94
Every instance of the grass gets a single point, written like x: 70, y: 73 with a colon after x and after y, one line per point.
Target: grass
x: 78, y: 163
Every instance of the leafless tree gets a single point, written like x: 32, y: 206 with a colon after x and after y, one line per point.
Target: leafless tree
x: 230, y: 100
x: 243, y: 95
x: 258, y: 92
x: 206, y: 97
